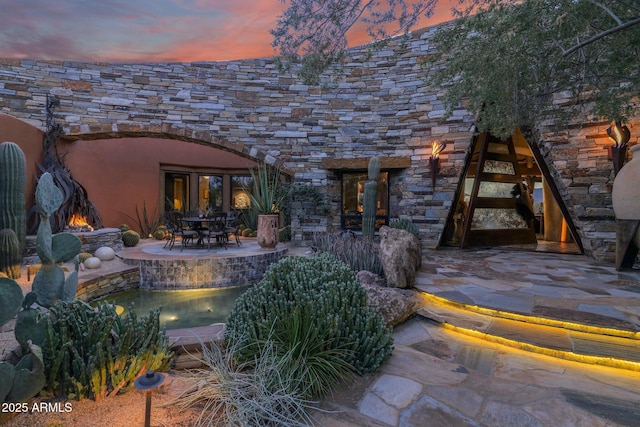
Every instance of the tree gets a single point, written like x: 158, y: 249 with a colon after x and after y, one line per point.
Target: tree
x: 314, y: 32
x: 518, y: 65
x: 510, y: 63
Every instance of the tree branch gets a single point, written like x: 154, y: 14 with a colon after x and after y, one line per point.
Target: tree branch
x: 601, y: 35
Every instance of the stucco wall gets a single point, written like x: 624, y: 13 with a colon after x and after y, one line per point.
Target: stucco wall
x: 379, y: 105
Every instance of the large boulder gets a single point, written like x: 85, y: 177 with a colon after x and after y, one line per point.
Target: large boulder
x: 400, y: 255
x: 395, y: 305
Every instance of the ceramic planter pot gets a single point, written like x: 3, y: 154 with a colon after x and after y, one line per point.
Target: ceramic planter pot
x: 267, y: 233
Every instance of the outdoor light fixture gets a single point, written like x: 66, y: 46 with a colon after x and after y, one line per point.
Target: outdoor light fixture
x: 434, y: 160
x: 148, y: 382
x: 618, y: 151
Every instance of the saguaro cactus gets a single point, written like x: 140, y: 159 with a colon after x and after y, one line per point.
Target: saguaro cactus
x: 12, y: 210
x: 370, y: 196
x: 10, y: 255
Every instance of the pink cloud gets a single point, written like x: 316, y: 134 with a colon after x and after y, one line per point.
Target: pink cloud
x: 144, y: 30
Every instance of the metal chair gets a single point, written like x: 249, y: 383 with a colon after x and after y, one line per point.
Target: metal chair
x: 170, y: 223
x: 215, y: 230
x: 232, y: 224
x: 186, y: 233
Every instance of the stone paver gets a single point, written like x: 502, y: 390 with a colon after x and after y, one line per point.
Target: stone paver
x: 470, y: 382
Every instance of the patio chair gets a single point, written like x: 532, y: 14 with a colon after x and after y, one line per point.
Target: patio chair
x: 186, y: 233
x: 215, y: 230
x: 170, y: 223
x: 233, y: 221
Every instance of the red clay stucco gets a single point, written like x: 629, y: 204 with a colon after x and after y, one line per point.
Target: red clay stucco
x: 118, y: 174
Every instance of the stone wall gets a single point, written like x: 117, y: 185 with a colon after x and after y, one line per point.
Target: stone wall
x: 209, y: 272
x: 91, y: 240
x: 379, y: 105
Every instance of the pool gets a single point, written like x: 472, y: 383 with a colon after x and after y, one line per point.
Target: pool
x: 183, y: 308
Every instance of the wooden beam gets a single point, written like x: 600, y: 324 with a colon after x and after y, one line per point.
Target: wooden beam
x: 361, y: 163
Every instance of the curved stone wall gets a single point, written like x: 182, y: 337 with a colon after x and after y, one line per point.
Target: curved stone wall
x: 379, y: 105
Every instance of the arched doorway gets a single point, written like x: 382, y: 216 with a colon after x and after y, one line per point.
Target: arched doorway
x: 506, y: 197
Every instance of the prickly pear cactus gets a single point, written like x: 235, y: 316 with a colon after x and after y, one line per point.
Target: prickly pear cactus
x: 12, y: 181
x: 23, y: 381
x: 10, y: 299
x: 369, y: 199
x: 50, y: 283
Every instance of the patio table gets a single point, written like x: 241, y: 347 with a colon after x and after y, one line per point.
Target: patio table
x: 202, y: 225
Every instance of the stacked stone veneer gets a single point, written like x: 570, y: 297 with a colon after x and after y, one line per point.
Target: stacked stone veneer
x: 214, y: 272
x: 379, y: 105
x: 97, y: 285
x: 91, y: 240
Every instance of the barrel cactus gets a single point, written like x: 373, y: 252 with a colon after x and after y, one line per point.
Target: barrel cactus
x: 130, y: 238
x: 370, y: 196
x: 12, y: 210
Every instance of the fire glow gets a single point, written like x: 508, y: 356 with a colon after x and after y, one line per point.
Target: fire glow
x: 79, y: 222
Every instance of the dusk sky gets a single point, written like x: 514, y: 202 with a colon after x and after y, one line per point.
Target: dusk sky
x: 145, y: 30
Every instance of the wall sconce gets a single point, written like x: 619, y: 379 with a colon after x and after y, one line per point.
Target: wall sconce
x: 618, y: 151
x: 148, y: 382
x: 434, y: 160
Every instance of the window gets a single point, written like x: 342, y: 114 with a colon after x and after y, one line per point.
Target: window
x: 352, y: 199
x: 176, y: 191
x: 239, y: 196
x: 210, y: 193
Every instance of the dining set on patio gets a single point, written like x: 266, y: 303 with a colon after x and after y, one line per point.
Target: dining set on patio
x: 200, y: 231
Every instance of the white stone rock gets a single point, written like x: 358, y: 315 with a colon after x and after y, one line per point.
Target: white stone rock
x: 105, y: 253
x: 92, y: 262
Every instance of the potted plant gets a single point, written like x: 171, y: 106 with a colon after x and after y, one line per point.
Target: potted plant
x: 267, y: 199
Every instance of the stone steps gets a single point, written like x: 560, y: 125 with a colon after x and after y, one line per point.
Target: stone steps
x: 570, y: 339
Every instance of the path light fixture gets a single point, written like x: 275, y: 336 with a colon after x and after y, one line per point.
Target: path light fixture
x: 618, y: 151
x: 149, y: 382
x: 434, y: 160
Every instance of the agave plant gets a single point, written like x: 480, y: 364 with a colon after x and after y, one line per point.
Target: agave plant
x: 266, y: 193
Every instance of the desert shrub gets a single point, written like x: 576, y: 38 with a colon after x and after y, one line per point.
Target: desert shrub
x: 358, y: 253
x: 284, y: 234
x: 315, y: 312
x: 91, y: 352
x: 256, y: 393
x: 405, y: 224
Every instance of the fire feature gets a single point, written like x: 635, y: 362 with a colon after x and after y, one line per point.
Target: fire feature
x: 78, y: 223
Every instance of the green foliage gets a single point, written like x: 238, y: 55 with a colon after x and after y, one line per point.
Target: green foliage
x: 258, y: 392
x: 284, y: 234
x: 405, y: 224
x: 130, y: 238
x: 27, y: 378
x: 50, y: 284
x: 311, y: 309
x: 147, y: 222
x: 509, y: 63
x: 266, y: 194
x: 359, y: 254
x: 12, y: 209
x: 10, y: 255
x: 10, y: 299
x: 94, y: 353
x: 315, y: 34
